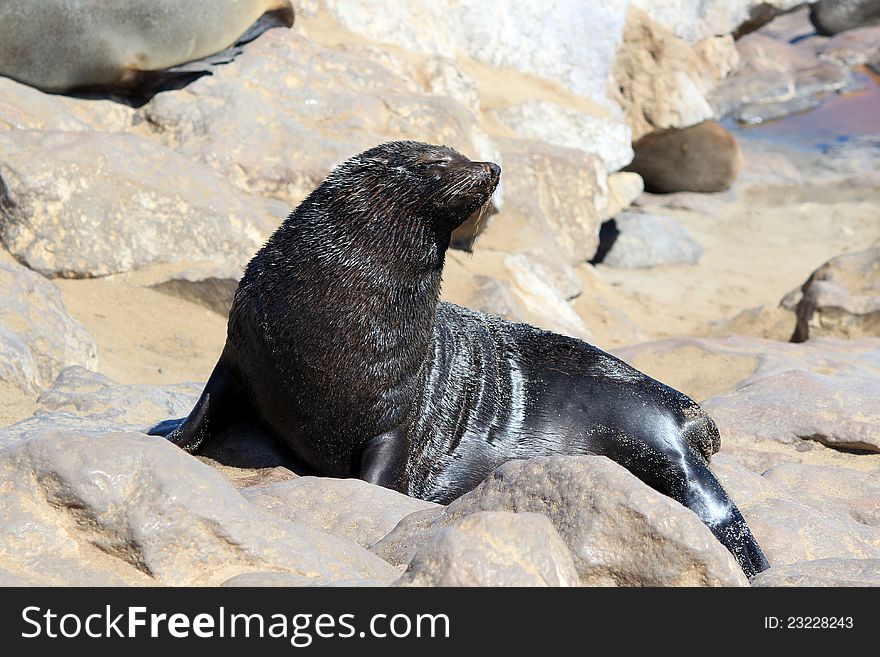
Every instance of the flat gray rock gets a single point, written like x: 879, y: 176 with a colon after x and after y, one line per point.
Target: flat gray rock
x: 650, y: 240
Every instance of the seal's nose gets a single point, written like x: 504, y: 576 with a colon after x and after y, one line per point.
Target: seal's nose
x: 494, y: 170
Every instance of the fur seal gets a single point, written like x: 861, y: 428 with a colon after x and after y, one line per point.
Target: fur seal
x: 127, y: 48
x: 700, y: 158
x: 338, y: 345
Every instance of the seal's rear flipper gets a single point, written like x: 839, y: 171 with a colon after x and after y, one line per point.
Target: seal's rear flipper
x: 223, y: 403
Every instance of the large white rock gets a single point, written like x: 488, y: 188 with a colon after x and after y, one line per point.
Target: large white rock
x: 568, y: 41
x: 696, y: 19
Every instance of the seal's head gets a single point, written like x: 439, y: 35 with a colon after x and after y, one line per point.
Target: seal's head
x: 422, y: 182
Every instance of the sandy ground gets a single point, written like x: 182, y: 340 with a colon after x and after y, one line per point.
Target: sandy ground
x: 755, y: 251
x: 143, y: 336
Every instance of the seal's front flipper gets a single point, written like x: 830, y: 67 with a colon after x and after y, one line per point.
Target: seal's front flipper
x: 382, y: 459
x: 223, y: 403
x: 165, y: 427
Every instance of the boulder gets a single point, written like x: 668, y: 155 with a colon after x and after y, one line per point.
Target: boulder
x: 775, y: 79
x: 662, y: 79
x: 834, y: 16
x: 797, y: 405
x: 802, y: 512
x: 514, y: 286
x: 635, y: 240
x: 694, y: 20
x: 605, y: 135
x: 553, y: 202
x: 842, y: 298
x: 24, y: 108
x: 767, y: 391
x: 348, y: 508
x: 619, y: 531
x: 624, y: 187
x: 87, y: 402
x: 701, y: 158
x: 123, y: 202
x: 492, y: 548
x: 38, y: 337
x: 530, y: 37
x: 84, y: 400
x: 855, y: 47
x: 126, y: 508
x: 823, y: 572
x: 263, y: 125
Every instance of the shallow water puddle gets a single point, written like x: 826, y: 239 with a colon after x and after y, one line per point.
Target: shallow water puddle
x: 841, y: 118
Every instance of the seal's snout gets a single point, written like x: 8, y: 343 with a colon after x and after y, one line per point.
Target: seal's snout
x: 493, y: 170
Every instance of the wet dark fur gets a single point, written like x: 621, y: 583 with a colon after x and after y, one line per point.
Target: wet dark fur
x: 337, y: 344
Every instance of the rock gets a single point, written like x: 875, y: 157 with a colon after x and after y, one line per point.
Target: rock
x: 701, y: 158
x: 693, y: 21
x: 793, y: 26
x: 646, y: 240
x: 762, y: 390
x: 87, y: 402
x: 801, y: 512
x: 530, y: 36
x: 619, y: 531
x: 606, y: 136
x: 842, y: 298
x: 124, y: 202
x: 662, y: 79
x: 552, y: 202
x: 833, y: 16
x: 443, y: 77
x: 493, y: 548
x: 800, y: 405
x: 38, y: 337
x: 209, y: 286
x: 261, y: 579
x: 80, y: 399
x: 348, y: 508
x: 823, y: 572
x: 624, y: 187
x: 263, y: 124
x: 855, y: 47
x: 775, y: 79
x: 126, y: 508
x: 515, y: 286
x: 25, y: 108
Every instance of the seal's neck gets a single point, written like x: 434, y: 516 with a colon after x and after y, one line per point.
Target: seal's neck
x: 365, y: 292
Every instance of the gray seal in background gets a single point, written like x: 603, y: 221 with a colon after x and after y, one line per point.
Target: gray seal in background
x: 126, y: 47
